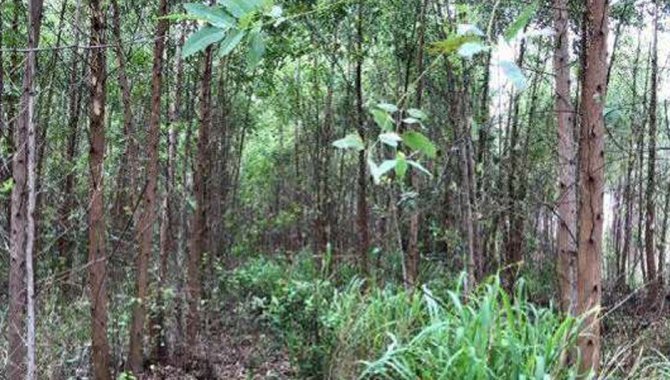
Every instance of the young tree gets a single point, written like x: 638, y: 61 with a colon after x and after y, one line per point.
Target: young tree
x: 592, y: 180
x: 566, y: 233
x: 97, y: 259
x: 199, y: 224
x: 649, y: 230
x: 146, y: 223
x: 21, y: 361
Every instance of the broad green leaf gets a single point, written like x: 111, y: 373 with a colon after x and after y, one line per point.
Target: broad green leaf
x: 452, y: 43
x: 521, y: 22
x: 350, y: 141
x: 417, y: 113
x: 417, y: 165
x: 464, y: 29
x: 201, y: 39
x: 378, y: 172
x: 232, y: 40
x: 418, y: 142
x: 256, y: 47
x: 390, y: 139
x: 401, y: 165
x: 215, y: 16
x: 411, y: 120
x: 240, y: 8
x: 388, y: 107
x: 383, y: 120
x: 514, y: 74
x: 470, y: 49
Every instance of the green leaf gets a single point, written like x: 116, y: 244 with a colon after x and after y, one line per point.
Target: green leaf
x: 451, y: 44
x: 390, y: 138
x: 215, y: 16
x: 350, y: 141
x: 417, y: 113
x: 418, y: 142
x: 418, y: 166
x: 514, y: 74
x: 383, y: 119
x: 201, y: 39
x: 256, y: 48
x: 232, y: 40
x: 401, y: 165
x: 7, y: 186
x: 240, y: 8
x: 411, y: 120
x: 378, y: 172
x: 388, y: 107
x: 521, y: 22
x: 470, y: 49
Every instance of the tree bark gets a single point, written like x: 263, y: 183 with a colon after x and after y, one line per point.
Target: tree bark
x: 592, y: 182
x: 362, y: 210
x: 199, y: 226
x: 567, y: 200
x: 146, y: 222
x: 649, y: 230
x: 21, y: 361
x: 96, y: 233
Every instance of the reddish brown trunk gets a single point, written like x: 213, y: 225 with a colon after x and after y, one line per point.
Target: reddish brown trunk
x: 96, y: 233
x: 198, y: 226
x: 592, y: 181
x: 127, y: 175
x: 146, y: 222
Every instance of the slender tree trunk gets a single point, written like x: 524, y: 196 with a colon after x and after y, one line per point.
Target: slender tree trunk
x: 199, y: 226
x: 64, y: 240
x: 127, y: 174
x: 362, y: 210
x: 592, y: 182
x: 146, y: 222
x: 96, y: 234
x: 413, y: 254
x: 168, y: 230
x: 649, y: 231
x: 567, y: 200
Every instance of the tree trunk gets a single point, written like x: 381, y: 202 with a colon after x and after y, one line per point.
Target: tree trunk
x: 567, y: 200
x: 21, y: 361
x: 127, y: 174
x: 96, y: 233
x: 649, y: 230
x: 362, y: 210
x: 146, y: 222
x: 592, y: 182
x: 199, y: 226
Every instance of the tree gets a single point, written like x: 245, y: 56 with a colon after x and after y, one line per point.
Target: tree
x: 566, y: 233
x: 198, y: 225
x: 21, y: 282
x: 146, y: 223
x: 649, y: 231
x: 592, y: 180
x: 97, y: 259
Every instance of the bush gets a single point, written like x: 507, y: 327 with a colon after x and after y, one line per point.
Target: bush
x: 387, y: 333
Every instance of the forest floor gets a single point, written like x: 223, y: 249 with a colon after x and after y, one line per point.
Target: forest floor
x: 237, y: 348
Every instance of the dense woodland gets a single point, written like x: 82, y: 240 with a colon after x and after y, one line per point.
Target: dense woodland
x: 334, y: 189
